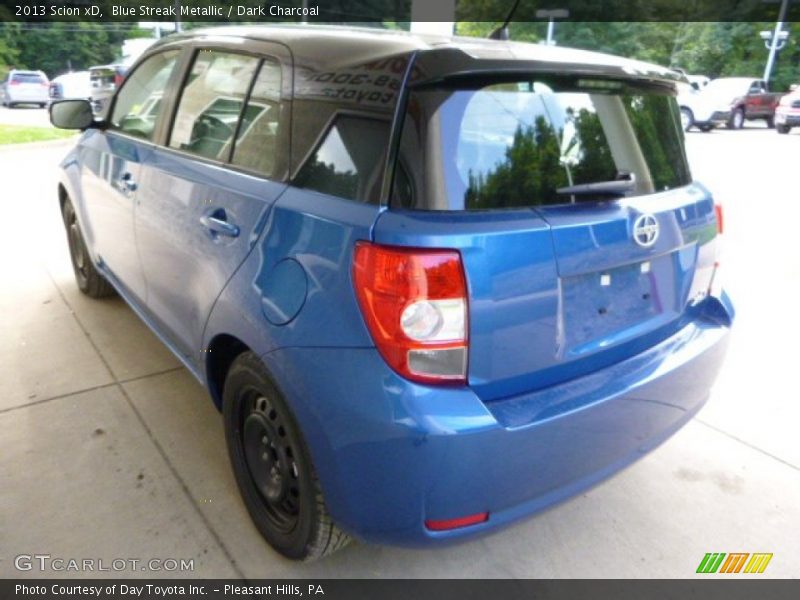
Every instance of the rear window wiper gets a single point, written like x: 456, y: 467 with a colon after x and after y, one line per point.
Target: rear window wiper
x: 618, y: 187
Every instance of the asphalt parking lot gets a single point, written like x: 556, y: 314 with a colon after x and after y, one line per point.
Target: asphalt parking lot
x: 110, y: 449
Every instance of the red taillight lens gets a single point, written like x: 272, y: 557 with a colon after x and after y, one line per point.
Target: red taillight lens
x: 13, y: 82
x: 456, y: 523
x: 118, y: 79
x: 414, y: 301
x: 719, y: 215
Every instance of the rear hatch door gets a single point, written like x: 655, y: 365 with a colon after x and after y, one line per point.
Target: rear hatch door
x: 563, y: 278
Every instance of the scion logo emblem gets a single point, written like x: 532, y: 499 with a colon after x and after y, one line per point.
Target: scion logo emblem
x: 645, y: 230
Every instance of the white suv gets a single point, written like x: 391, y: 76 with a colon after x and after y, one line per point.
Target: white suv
x: 25, y: 87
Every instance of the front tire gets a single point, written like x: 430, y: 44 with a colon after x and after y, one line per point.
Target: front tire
x: 88, y: 278
x: 273, y: 466
x: 687, y: 118
x: 783, y: 129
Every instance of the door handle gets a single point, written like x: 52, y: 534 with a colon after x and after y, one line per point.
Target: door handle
x: 217, y: 223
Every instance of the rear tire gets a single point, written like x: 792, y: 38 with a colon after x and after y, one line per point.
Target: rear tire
x: 783, y: 129
x: 88, y: 278
x: 770, y: 122
x: 273, y: 466
x: 736, y: 120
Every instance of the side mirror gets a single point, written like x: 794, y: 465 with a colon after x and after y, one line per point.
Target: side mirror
x: 71, y: 114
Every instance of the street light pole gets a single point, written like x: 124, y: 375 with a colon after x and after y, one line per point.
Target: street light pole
x: 551, y: 15
x: 775, y: 42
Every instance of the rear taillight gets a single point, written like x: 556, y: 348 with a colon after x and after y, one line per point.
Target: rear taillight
x: 118, y: 79
x: 414, y: 302
x: 715, y: 287
x: 13, y: 82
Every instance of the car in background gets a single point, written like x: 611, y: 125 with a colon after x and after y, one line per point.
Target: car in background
x: 105, y: 79
x: 25, y: 87
x: 700, y: 110
x: 71, y: 86
x: 749, y: 99
x: 787, y: 115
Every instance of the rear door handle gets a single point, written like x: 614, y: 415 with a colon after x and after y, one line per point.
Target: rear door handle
x: 217, y: 223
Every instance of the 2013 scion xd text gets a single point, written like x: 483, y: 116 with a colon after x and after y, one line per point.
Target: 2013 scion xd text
x: 433, y: 284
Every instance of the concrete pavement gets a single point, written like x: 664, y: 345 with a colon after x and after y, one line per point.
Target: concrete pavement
x: 110, y: 449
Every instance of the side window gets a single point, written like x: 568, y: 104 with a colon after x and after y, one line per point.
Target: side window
x: 348, y: 163
x: 139, y: 101
x: 257, y: 143
x: 211, y: 102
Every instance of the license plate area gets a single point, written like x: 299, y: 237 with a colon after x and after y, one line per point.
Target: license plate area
x: 603, y: 308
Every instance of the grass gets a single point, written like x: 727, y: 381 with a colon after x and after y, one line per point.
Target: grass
x: 19, y: 134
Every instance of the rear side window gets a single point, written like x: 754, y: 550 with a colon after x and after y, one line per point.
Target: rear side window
x: 211, y: 103
x: 258, y: 141
x: 522, y: 143
x: 348, y: 163
x: 138, y: 103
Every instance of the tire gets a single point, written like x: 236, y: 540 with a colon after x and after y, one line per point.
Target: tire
x: 736, y: 120
x: 783, y: 129
x: 88, y: 278
x: 687, y: 118
x: 706, y: 128
x: 273, y: 467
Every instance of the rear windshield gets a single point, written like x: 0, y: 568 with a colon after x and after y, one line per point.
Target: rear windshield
x: 27, y: 78
x: 535, y: 142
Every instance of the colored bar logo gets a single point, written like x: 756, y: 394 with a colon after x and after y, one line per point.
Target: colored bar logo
x: 734, y: 562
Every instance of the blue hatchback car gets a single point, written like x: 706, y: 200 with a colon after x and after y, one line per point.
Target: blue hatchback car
x: 433, y: 284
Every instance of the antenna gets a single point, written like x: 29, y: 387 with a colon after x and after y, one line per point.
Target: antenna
x: 501, y: 33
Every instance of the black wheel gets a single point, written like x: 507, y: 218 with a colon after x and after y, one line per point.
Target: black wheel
x: 273, y: 467
x: 770, y: 122
x: 89, y: 280
x: 783, y: 128
x: 736, y: 120
x: 687, y: 118
x: 706, y: 128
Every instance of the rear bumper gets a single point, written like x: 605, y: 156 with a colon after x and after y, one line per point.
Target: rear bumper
x: 29, y: 96
x: 391, y: 454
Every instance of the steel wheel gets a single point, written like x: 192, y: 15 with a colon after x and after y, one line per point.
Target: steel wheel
x: 77, y: 249
x: 269, y: 455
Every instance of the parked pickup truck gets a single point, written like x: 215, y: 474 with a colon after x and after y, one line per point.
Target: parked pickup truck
x: 749, y: 99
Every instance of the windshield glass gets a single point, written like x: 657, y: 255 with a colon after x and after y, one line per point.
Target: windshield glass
x: 519, y: 144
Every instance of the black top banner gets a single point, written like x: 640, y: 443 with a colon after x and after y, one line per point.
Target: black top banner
x: 395, y: 11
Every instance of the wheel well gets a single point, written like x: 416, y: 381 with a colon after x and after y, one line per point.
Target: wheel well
x: 221, y: 353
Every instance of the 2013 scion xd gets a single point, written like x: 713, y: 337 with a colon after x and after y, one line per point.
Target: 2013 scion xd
x: 434, y: 285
